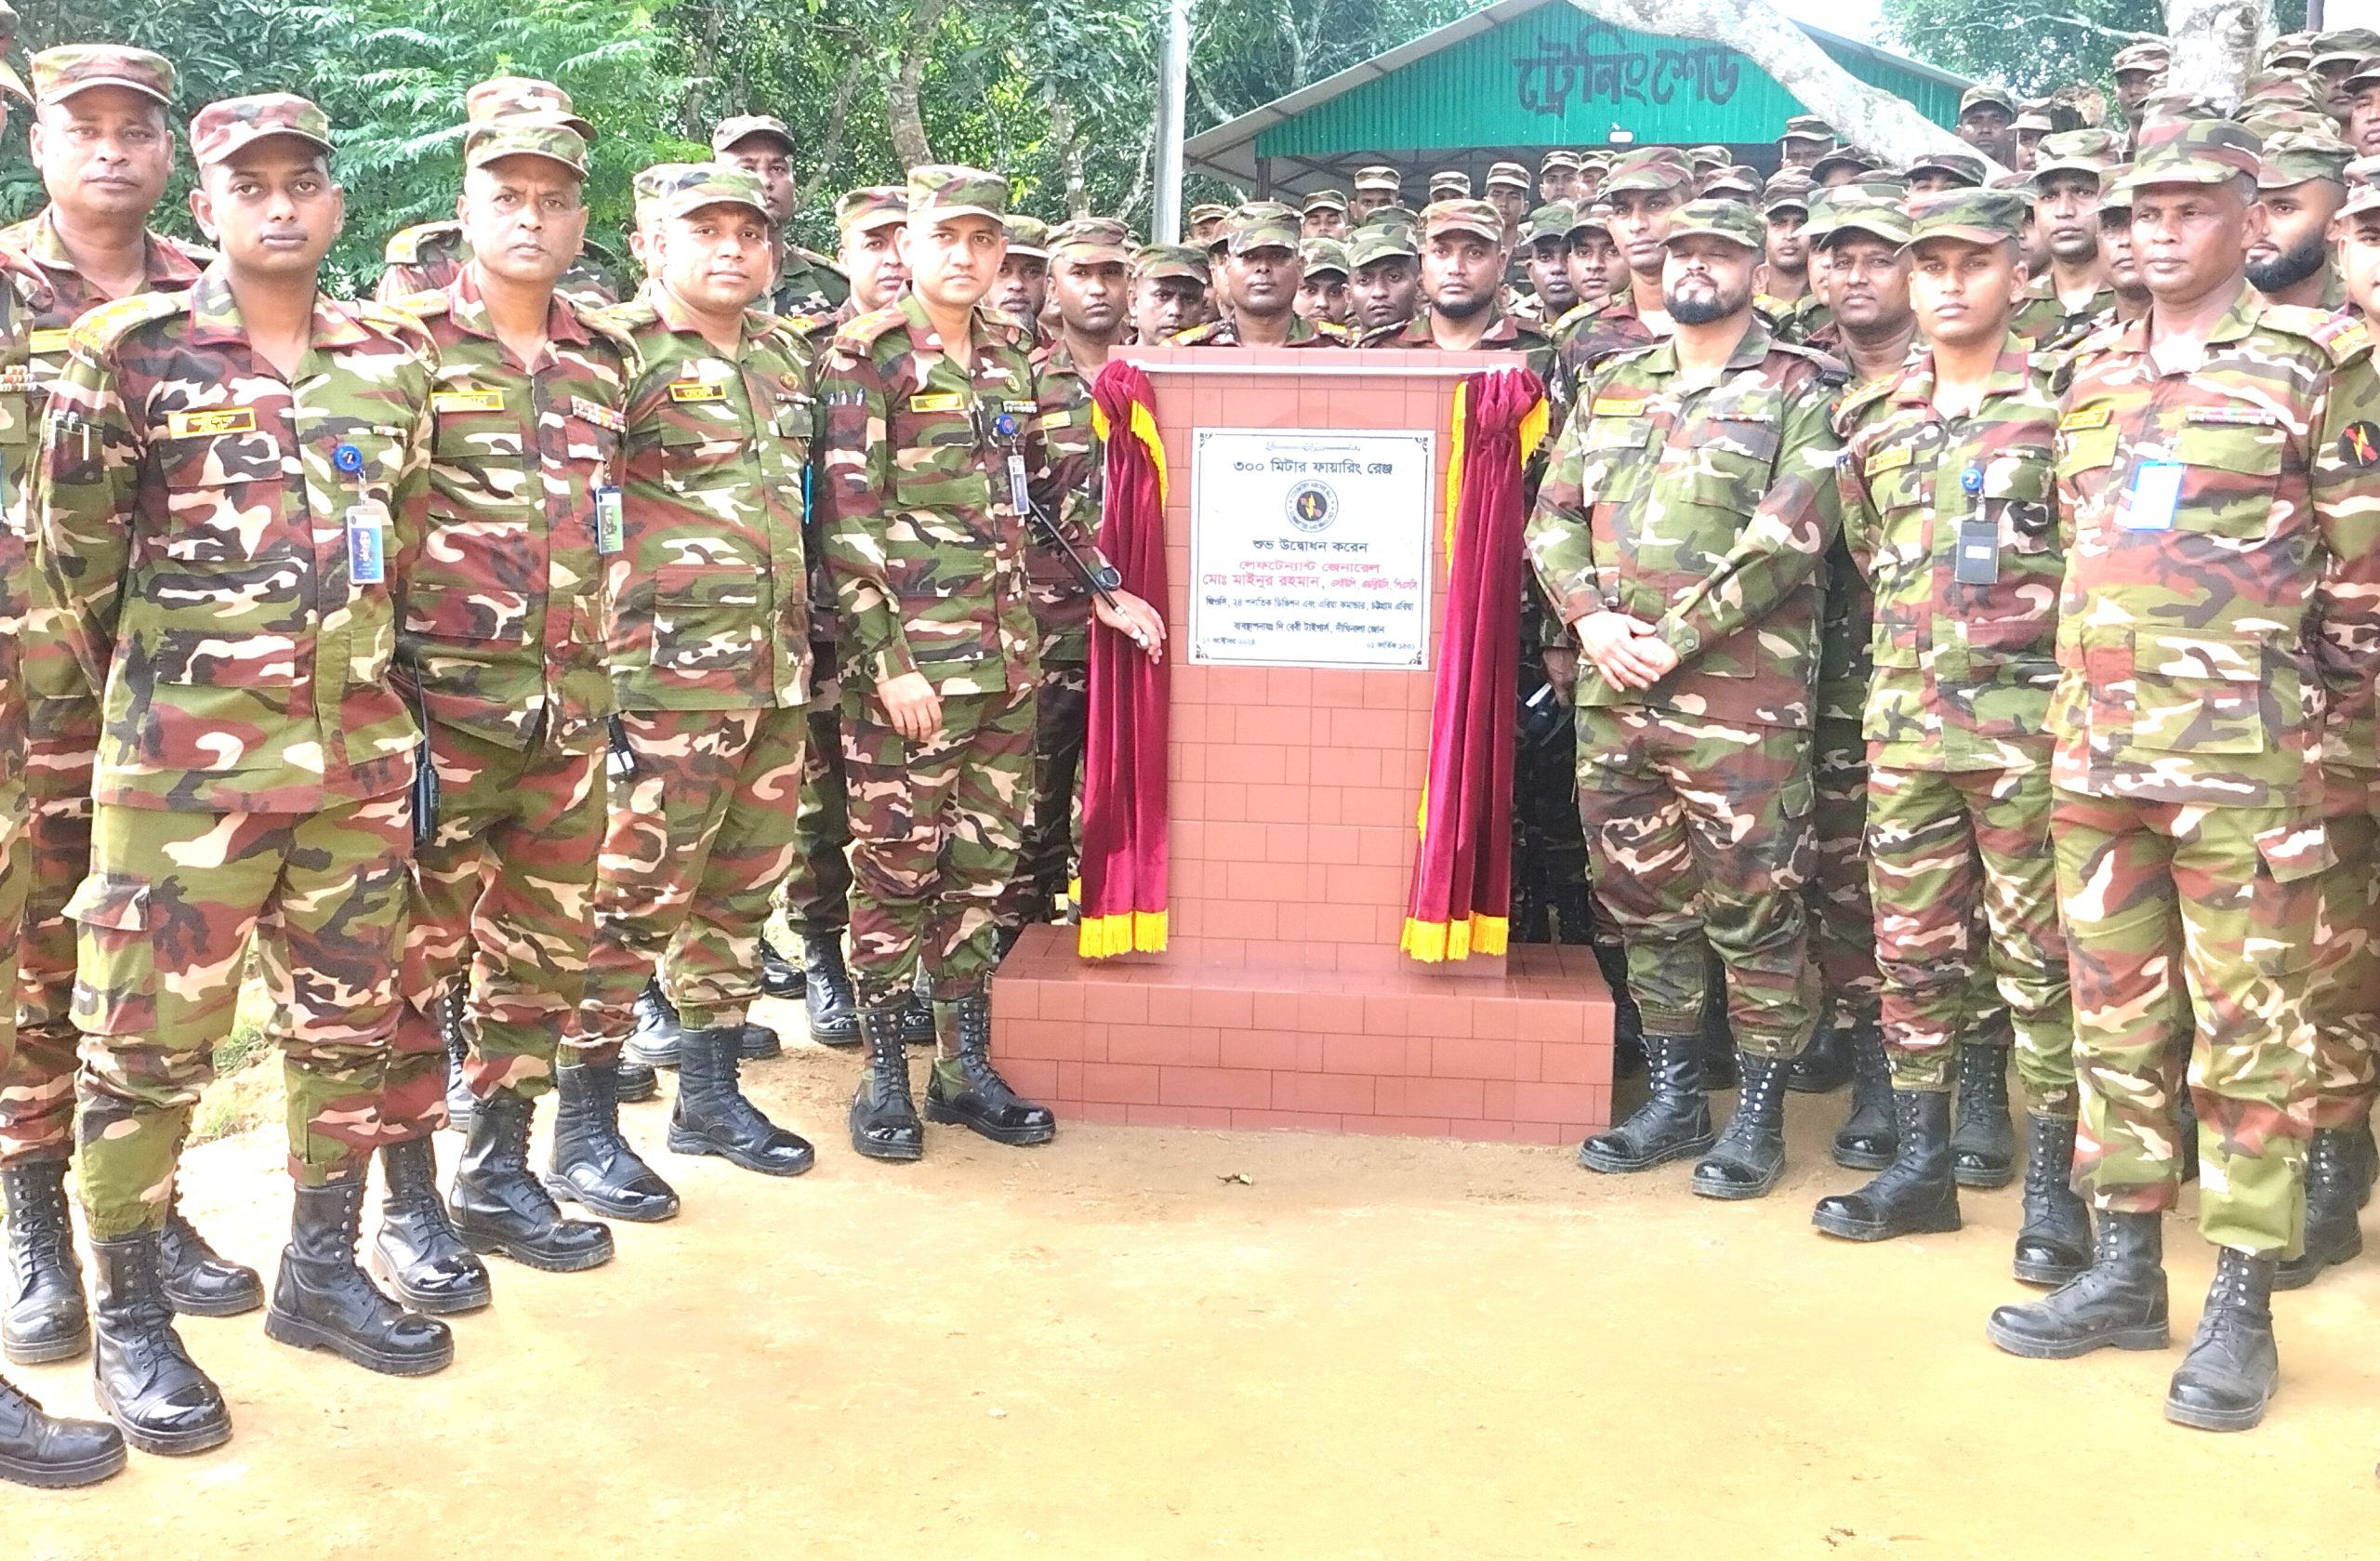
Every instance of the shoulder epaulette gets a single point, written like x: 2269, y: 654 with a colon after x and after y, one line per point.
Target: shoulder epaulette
x: 196, y: 254
x: 1381, y: 335
x: 1860, y: 398
x: 2342, y: 335
x: 1198, y: 335
x: 404, y: 245
x: 807, y: 324
x: 628, y: 314
x: 109, y: 324
x: 1330, y: 332
x: 426, y: 305
x: 1832, y: 369
x: 1575, y: 316
x: 2100, y: 340
x: 824, y: 262
x: 390, y: 320
x: 861, y: 332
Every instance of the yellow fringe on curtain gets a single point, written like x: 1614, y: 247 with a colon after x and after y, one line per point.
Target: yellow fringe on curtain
x: 1434, y: 941
x: 1127, y: 931
x: 1144, y: 429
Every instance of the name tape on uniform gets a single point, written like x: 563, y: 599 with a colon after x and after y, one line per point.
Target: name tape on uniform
x: 1616, y: 406
x: 2088, y: 418
x: 1890, y: 460
x: 211, y: 422
x: 443, y: 402
x: 51, y: 341
x: 938, y: 401
x: 697, y: 390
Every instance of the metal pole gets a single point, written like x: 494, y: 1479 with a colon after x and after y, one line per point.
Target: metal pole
x: 1173, y: 89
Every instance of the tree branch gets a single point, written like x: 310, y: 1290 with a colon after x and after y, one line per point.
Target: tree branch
x: 830, y: 150
x: 901, y: 113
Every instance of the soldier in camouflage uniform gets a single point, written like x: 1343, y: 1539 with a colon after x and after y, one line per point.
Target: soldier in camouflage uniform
x: 1384, y: 277
x: 1322, y: 281
x: 1945, y: 170
x: 1988, y: 122
x: 709, y: 592
x: 502, y: 650
x: 1806, y: 138
x: 1546, y: 241
x: 1261, y: 276
x: 1787, y: 212
x: 2201, y: 479
x: 1021, y: 290
x: 2138, y: 70
x: 1596, y: 264
x: 427, y: 256
x: 1169, y: 291
x: 1645, y: 187
x: 2302, y: 185
x: 1681, y: 533
x: 2064, y: 299
x: 1376, y: 186
x: 1088, y: 261
x: 102, y: 141
x: 1324, y: 215
x: 934, y: 448
x: 1948, y: 513
x: 255, y: 763
x: 807, y: 283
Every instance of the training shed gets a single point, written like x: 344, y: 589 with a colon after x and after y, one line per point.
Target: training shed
x: 1519, y: 78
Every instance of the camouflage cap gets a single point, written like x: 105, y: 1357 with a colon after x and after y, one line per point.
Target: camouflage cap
x: 1789, y: 182
x: 744, y: 127
x: 1785, y: 198
x: 1321, y: 257
x: 59, y: 73
x: 2194, y: 152
x: 2365, y: 74
x: 1552, y: 220
x: 1511, y: 175
x: 1324, y: 199
x: 1597, y: 157
x: 2089, y: 151
x: 1370, y: 245
x: 2347, y: 46
x: 548, y: 138
x: 696, y: 185
x: 654, y: 181
x: 1264, y: 225
x: 2034, y: 116
x: 1158, y: 261
x: 2293, y: 157
x: 1026, y: 235
x: 1592, y: 218
x: 951, y: 190
x: 1839, y: 220
x: 219, y: 130
x: 870, y: 208
x: 2151, y: 58
x: 1983, y: 94
x: 1741, y: 182
x: 2295, y: 47
x: 2114, y: 194
x: 2176, y: 106
x: 1450, y: 178
x: 1964, y: 167
x: 1807, y: 127
x: 508, y: 96
x: 2270, y: 122
x: 1205, y: 211
x: 1462, y: 216
x: 1720, y: 218
x: 1648, y: 167
x: 1710, y: 154
x: 2362, y: 187
x: 1875, y: 184
x: 1379, y: 176
x: 1976, y: 215
x: 1091, y: 241
x: 2293, y: 89
x: 1557, y: 158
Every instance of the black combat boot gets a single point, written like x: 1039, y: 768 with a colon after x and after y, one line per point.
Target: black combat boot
x: 1868, y: 1139
x: 2228, y: 1376
x: 758, y: 1043
x: 320, y: 1300
x: 198, y: 1283
x: 1983, y: 1150
x: 834, y: 1012
x: 1750, y: 1153
x: 917, y: 1016
x: 2118, y: 1303
x: 711, y: 1116
x: 48, y: 1319
x: 1719, y: 1070
x: 1915, y: 1194
x: 2334, y: 1188
x: 1627, y: 1019
x: 51, y: 1453
x: 883, y: 1118
x: 633, y: 1081
x: 144, y: 1379
x: 1824, y: 1065
x: 2054, y: 1242
x: 460, y: 1101
x: 1673, y: 1122
x: 653, y: 1042
x: 592, y: 1164
x: 780, y: 977
x: 416, y: 1252
x: 966, y: 1089
x: 498, y: 1207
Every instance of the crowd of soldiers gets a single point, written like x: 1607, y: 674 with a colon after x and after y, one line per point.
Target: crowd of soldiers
x: 483, y: 669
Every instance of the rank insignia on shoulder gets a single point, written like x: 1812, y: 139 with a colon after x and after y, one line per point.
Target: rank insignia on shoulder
x: 1616, y: 406
x: 1890, y: 460
x: 2086, y: 418
x: 937, y: 400
x: 443, y: 402
x: 210, y: 422
x: 697, y: 390
x: 595, y: 412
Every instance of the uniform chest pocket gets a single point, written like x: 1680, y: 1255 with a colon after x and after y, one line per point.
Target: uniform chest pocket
x: 936, y: 462
x: 701, y: 455
x: 223, y: 496
x: 706, y: 617
x: 2019, y: 494
x: 2235, y: 462
x: 1732, y: 465
x: 2082, y: 451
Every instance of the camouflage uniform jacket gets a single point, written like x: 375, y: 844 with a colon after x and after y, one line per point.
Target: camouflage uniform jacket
x: 2187, y: 629
x: 23, y: 294
x: 200, y: 518
x: 2048, y: 325
x: 808, y: 283
x: 1705, y: 512
x: 1303, y: 332
x: 428, y: 256
x: 503, y: 633
x: 1963, y: 673
x: 1506, y: 333
x: 2348, y: 649
x: 711, y: 590
x: 1583, y: 340
x: 1061, y: 602
x: 925, y: 542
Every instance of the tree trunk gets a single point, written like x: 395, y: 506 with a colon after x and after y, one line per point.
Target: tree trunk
x: 1067, y: 136
x: 831, y: 149
x: 901, y: 113
x: 2214, y: 45
x: 694, y: 122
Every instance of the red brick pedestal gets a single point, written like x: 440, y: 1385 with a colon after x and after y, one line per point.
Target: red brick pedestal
x: 1282, y: 999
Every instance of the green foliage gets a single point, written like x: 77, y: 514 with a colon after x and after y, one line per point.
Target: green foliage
x: 2032, y: 47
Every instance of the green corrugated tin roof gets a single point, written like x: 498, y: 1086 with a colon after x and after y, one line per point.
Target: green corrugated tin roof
x: 1524, y: 73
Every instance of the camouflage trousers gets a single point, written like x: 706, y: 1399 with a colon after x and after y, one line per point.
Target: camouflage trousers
x: 15, y: 875
x: 503, y: 907
x: 163, y: 923
x: 695, y: 843
x: 1698, y: 832
x: 1045, y: 865
x: 2179, y: 915
x: 37, y: 1088
x: 2343, y: 992
x: 1842, y: 920
x: 1966, y: 918
x: 936, y: 827
x: 816, y: 896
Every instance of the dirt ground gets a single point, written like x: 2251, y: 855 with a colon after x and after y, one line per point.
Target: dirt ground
x: 1140, y: 1342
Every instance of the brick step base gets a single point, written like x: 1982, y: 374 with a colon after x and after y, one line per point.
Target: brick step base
x: 1150, y: 1041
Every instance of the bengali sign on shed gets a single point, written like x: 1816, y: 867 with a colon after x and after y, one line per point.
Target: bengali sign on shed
x: 1311, y: 548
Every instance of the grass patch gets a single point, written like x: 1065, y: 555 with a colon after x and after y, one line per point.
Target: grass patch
x: 246, y: 1091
